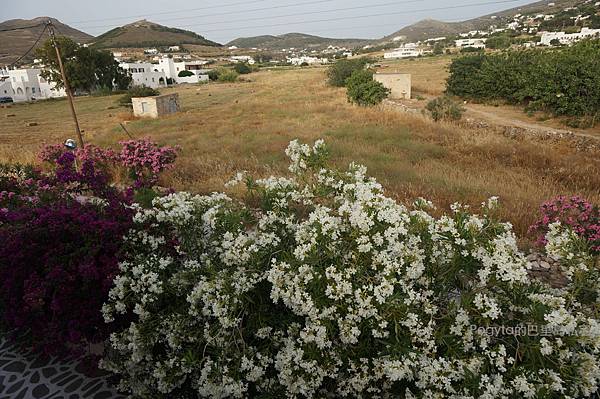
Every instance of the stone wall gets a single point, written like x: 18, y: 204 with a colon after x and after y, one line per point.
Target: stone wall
x: 399, y: 83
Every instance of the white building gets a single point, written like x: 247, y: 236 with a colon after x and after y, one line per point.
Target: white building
x: 307, y: 60
x: 145, y: 74
x: 403, y: 52
x: 151, y: 51
x: 171, y: 70
x: 242, y: 58
x: 568, y: 38
x: 475, y: 43
x: 27, y: 85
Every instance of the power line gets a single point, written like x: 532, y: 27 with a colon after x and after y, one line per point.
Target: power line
x: 361, y: 16
x: 21, y: 28
x: 168, y: 12
x: 230, y: 12
x: 31, y: 48
x: 365, y: 27
x: 315, y: 12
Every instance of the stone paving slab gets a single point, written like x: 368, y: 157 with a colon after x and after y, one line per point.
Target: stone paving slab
x: 25, y: 376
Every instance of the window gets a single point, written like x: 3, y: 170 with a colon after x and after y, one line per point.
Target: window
x: 141, y: 70
x: 153, y: 79
x: 33, y: 89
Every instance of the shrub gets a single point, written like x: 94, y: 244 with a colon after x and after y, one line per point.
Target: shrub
x: 213, y: 75
x: 137, y: 91
x: 571, y: 76
x: 145, y: 160
x: 61, y: 236
x: 582, y: 217
x: 339, y: 72
x: 365, y: 91
x: 325, y: 287
x: 227, y: 75
x: 242, y: 68
x: 445, y: 108
x: 472, y: 50
x: 185, y: 74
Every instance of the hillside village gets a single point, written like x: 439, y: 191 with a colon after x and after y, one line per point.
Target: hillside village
x: 166, y: 65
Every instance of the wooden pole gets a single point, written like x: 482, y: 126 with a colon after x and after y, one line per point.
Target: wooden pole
x: 66, y: 83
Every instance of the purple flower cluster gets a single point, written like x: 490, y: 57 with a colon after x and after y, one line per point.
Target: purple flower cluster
x: 146, y: 160
x: 62, y: 238
x: 577, y: 213
x: 57, y: 263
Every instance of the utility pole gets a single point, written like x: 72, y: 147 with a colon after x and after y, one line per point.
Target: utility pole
x: 50, y: 27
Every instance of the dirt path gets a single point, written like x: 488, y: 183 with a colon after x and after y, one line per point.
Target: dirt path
x: 504, y: 118
x: 495, y: 116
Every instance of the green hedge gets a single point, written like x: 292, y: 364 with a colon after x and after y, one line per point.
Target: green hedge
x: 564, y: 81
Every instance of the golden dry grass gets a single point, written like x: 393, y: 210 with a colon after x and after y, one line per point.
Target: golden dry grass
x: 225, y: 128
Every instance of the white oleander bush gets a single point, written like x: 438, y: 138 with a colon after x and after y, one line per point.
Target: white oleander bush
x: 319, y: 285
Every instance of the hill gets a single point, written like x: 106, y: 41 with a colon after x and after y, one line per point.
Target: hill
x: 430, y: 28
x: 149, y: 34
x: 295, y: 40
x: 15, y: 43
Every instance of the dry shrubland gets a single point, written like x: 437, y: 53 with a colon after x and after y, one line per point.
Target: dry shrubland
x: 225, y: 128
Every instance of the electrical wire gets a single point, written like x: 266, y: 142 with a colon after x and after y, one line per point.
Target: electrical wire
x: 167, y: 12
x: 327, y: 19
x: 313, y: 12
x: 313, y: 2
x: 21, y: 28
x: 30, y: 49
x: 362, y: 16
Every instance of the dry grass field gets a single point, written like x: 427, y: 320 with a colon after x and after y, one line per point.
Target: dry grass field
x: 225, y: 128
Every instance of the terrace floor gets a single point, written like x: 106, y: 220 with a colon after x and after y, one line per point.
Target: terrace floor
x: 24, y: 376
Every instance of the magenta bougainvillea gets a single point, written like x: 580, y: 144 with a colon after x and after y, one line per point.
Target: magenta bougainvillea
x: 62, y: 238
x: 146, y: 160
x: 579, y: 214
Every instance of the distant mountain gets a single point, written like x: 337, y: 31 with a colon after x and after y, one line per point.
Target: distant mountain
x: 148, y: 34
x: 295, y: 40
x: 430, y: 28
x: 15, y: 43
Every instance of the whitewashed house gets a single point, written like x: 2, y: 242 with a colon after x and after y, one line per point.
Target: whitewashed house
x: 5, y: 88
x: 242, y: 58
x: 568, y: 38
x: 307, y: 60
x: 403, y: 52
x: 171, y: 69
x: 27, y: 85
x: 475, y: 43
x: 145, y: 74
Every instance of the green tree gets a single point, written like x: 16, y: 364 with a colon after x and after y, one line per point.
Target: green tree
x: 438, y: 49
x: 242, y: 68
x: 342, y: 69
x: 185, y: 74
x: 499, y: 42
x: 87, y: 69
x: 365, y: 91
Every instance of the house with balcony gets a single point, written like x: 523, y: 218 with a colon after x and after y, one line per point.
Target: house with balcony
x: 145, y: 74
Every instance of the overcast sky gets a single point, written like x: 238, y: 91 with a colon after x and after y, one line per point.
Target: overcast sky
x: 228, y: 19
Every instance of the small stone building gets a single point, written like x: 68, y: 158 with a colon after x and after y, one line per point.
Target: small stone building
x: 399, y: 83
x: 155, y: 107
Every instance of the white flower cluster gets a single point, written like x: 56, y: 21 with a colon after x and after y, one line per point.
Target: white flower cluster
x: 328, y: 288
